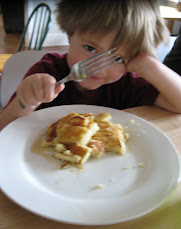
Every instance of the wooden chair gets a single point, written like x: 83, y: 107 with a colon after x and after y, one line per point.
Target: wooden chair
x: 38, y: 23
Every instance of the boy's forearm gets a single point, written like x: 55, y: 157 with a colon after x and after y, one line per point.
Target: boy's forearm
x: 164, y: 79
x: 12, y: 112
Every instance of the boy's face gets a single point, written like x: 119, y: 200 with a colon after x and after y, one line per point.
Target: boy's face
x: 85, y: 45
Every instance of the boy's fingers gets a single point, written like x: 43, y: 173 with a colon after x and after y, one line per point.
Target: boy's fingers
x: 26, y: 94
x: 49, y: 88
x: 59, y: 88
x: 37, y: 88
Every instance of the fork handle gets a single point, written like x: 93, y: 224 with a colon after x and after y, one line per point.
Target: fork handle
x: 64, y: 80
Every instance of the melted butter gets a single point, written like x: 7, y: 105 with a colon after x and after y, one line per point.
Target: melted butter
x: 83, y: 76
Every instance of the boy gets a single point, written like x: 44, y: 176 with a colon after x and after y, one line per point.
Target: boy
x: 135, y: 28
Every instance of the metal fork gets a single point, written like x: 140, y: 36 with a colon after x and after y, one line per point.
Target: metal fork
x: 91, y: 66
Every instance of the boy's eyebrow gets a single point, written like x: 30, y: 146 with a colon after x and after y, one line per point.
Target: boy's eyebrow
x: 122, y: 56
x: 92, y: 43
x: 95, y: 45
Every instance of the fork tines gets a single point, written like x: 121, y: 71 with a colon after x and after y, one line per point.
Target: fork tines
x: 99, y: 62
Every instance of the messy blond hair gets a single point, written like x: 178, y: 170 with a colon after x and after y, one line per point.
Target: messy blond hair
x: 138, y: 23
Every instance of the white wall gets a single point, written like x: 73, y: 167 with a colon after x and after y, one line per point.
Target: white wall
x: 55, y: 36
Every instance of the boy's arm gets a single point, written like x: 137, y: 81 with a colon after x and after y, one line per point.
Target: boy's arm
x: 167, y: 82
x: 12, y: 112
x: 33, y: 90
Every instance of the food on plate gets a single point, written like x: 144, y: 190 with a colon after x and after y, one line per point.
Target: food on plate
x: 100, y: 186
x: 77, y: 137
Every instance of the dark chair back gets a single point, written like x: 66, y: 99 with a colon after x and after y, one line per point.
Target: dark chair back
x: 39, y: 19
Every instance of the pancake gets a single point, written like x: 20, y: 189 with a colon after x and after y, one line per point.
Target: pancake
x: 112, y: 136
x: 78, y: 137
x: 73, y: 128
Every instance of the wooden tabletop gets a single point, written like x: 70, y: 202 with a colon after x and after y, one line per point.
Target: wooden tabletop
x: 3, y: 59
x: 168, y: 216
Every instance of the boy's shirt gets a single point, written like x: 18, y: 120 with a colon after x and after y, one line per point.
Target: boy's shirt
x: 130, y: 91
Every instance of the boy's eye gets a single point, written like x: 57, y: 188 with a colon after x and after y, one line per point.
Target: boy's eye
x: 120, y: 60
x: 89, y: 48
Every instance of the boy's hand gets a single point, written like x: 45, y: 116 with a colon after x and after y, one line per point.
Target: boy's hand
x: 140, y: 63
x: 38, y: 88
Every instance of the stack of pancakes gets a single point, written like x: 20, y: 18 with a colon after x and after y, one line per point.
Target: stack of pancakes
x: 77, y: 137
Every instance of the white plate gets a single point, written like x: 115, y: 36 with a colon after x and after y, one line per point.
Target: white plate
x: 37, y: 184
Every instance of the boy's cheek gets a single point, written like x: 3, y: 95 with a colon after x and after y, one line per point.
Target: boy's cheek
x: 118, y: 77
x: 119, y: 70
x: 71, y: 60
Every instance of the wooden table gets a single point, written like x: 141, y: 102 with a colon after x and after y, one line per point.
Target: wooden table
x: 3, y: 59
x: 171, y: 14
x: 168, y: 216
